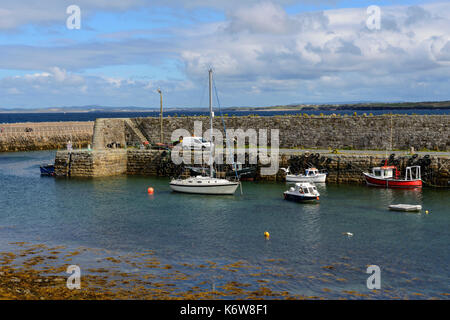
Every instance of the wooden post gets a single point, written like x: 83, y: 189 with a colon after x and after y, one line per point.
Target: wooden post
x: 161, y: 116
x: 391, y: 134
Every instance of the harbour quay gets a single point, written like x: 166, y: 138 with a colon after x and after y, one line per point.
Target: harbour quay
x: 344, y: 146
x: 341, y: 168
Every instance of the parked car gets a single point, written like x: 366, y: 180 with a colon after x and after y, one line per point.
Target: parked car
x: 196, y: 143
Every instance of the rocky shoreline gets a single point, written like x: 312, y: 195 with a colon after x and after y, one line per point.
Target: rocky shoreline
x: 38, y: 272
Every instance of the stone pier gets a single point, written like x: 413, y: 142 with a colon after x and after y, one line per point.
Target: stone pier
x: 91, y: 163
x: 341, y: 168
x: 44, y: 135
x: 116, y: 145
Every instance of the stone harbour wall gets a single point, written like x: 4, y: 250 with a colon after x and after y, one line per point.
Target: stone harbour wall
x: 108, y: 132
x: 91, y: 163
x: 150, y: 163
x: 44, y: 135
x: 422, y: 132
x: 113, y: 139
x: 348, y: 168
x: 341, y: 168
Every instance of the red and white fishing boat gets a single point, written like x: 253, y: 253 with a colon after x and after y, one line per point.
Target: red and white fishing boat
x: 389, y: 177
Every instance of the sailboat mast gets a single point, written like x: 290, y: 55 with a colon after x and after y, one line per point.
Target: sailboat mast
x: 211, y: 116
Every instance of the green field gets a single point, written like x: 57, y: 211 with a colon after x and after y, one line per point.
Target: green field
x: 356, y: 106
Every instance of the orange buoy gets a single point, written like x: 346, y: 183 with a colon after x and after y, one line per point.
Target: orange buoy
x: 150, y: 190
x: 317, y: 198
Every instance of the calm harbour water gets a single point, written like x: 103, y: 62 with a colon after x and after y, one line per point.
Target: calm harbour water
x: 117, y: 214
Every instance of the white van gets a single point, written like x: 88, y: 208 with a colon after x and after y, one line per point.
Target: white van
x: 196, y: 143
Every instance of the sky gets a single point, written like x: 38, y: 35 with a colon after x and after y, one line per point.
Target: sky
x: 263, y: 53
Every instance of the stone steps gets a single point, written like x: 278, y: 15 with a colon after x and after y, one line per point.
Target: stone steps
x: 135, y: 130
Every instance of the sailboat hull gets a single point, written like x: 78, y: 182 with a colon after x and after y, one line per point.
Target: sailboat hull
x: 224, y: 189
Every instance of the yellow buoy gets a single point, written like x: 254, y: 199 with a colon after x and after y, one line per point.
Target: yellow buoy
x: 150, y: 190
x: 426, y: 211
x: 267, y: 235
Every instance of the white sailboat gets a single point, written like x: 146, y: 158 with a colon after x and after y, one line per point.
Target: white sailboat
x: 206, y: 185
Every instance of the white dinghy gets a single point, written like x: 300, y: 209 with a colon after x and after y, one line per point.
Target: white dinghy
x: 405, y: 207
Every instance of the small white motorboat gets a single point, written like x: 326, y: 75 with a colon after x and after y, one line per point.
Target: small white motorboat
x: 405, y: 207
x: 311, y: 175
x: 302, y: 192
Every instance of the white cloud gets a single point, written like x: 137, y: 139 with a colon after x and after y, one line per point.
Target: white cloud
x: 58, y: 87
x: 54, y: 78
x: 114, y: 82
x: 14, y: 14
x: 336, y: 41
x: 265, y: 17
x: 13, y: 91
x: 261, y: 55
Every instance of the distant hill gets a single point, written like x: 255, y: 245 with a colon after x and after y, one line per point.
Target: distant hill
x: 291, y: 107
x: 351, y: 106
x: 78, y: 109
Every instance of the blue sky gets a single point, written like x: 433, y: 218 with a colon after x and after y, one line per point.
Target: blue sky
x: 263, y: 52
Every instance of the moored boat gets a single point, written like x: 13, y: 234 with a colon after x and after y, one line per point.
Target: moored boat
x: 47, y: 170
x: 243, y: 173
x: 311, y: 175
x: 206, y: 184
x: 302, y: 192
x: 389, y: 177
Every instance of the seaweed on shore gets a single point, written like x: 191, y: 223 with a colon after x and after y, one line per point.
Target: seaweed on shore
x: 38, y: 272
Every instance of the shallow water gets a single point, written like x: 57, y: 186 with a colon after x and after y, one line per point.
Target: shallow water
x: 118, y: 215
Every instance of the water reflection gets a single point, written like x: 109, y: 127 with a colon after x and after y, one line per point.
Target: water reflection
x: 400, y: 195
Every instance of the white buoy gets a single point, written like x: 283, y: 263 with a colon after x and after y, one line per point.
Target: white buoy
x: 348, y: 234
